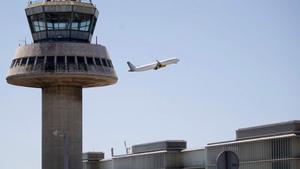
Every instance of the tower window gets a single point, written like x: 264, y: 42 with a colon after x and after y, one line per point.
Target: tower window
x: 60, y: 60
x: 38, y: 22
x: 109, y: 63
x: 58, y: 21
x: 98, y: 62
x: 39, y: 26
x: 18, y: 62
x: 60, y: 25
x: 40, y: 60
x: 81, y: 63
x: 90, y: 61
x: 50, y: 26
x: 71, y: 60
x: 31, y: 61
x: 75, y: 25
x: 62, y: 21
x: 85, y: 25
x: 80, y: 60
x: 81, y: 22
x: 50, y: 60
x: 104, y: 62
x: 93, y: 24
x: 50, y: 64
x: 24, y: 61
x: 12, y: 63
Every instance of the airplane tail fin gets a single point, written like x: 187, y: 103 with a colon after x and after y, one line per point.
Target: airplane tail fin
x: 131, y: 67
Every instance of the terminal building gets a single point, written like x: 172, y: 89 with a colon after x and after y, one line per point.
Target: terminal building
x: 275, y: 146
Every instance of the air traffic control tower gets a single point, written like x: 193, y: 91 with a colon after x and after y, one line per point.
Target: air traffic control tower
x: 62, y: 61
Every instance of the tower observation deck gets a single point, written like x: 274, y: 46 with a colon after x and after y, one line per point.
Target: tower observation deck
x: 61, y: 62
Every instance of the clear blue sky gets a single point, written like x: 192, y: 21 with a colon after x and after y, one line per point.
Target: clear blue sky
x: 239, y: 67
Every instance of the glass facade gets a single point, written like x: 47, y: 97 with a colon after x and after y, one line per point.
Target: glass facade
x: 81, y: 22
x: 31, y: 61
x: 71, y: 60
x: 40, y: 60
x: 38, y: 22
x: 50, y: 60
x: 24, y: 61
x: 89, y: 61
x: 104, y: 62
x: 97, y: 60
x: 12, y: 64
x: 61, y: 21
x: 52, y: 64
x: 39, y: 26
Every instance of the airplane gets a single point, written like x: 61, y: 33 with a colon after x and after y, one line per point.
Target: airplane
x: 155, y: 66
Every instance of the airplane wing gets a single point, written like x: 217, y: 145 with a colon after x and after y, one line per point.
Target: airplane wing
x: 168, y: 62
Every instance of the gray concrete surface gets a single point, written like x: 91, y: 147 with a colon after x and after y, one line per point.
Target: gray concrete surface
x: 169, y: 145
x: 38, y: 76
x: 61, y: 113
x: 61, y: 49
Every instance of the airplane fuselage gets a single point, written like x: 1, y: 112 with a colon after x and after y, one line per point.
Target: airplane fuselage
x: 152, y: 66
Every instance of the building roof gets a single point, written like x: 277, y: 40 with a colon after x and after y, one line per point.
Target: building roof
x: 264, y: 132
x: 169, y: 145
x: 251, y: 140
x: 289, y: 127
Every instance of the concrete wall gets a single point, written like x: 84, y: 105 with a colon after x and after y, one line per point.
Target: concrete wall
x: 194, y: 158
x: 62, y: 49
x: 93, y: 165
x: 61, y: 127
x: 106, y: 164
x: 296, y: 147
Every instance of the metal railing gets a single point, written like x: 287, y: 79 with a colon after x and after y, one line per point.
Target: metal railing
x: 61, y: 68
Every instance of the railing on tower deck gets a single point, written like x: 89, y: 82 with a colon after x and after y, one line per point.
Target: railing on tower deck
x: 62, y: 68
x: 33, y: 2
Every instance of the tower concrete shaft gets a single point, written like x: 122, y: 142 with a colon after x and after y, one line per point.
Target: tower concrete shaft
x: 62, y: 127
